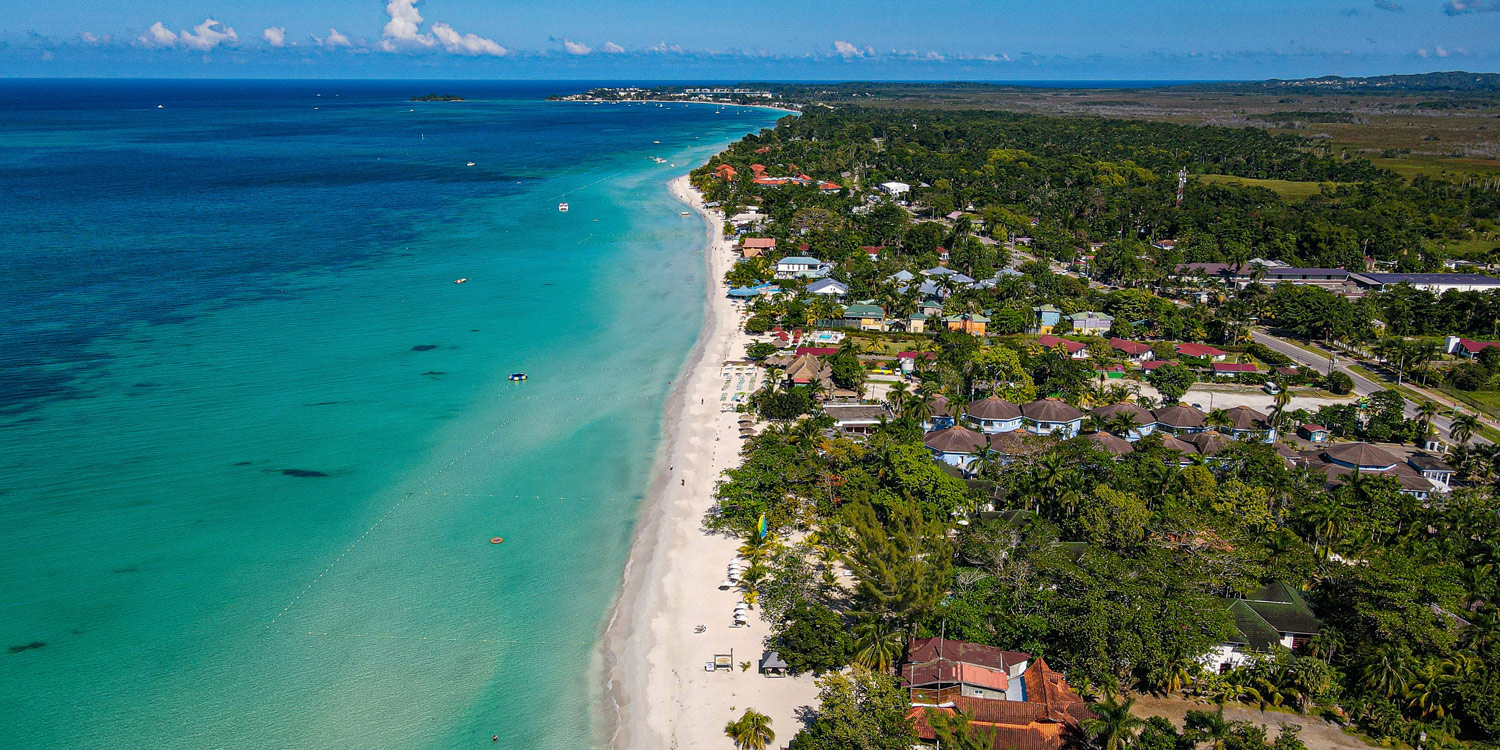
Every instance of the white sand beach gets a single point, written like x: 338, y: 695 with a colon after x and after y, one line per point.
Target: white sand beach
x: 655, y: 660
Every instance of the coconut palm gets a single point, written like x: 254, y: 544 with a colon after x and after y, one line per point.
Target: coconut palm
x: 877, y: 645
x: 1426, y: 412
x: 1218, y: 419
x: 1121, y: 424
x: 1212, y: 728
x: 897, y: 396
x: 1387, y: 672
x: 752, y: 731
x: 918, y: 406
x: 955, y: 732
x: 1113, y: 727
x: 1463, y: 428
x: 984, y: 461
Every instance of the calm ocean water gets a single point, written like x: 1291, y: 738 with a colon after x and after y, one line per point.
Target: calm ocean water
x: 254, y: 440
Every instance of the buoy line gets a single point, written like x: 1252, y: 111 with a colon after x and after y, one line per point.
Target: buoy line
x: 381, y: 520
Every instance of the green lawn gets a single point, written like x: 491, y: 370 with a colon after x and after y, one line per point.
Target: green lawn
x: 1485, y: 401
x: 1288, y: 189
x: 1411, y: 165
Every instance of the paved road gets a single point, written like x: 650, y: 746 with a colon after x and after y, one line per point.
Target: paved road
x: 1363, y: 386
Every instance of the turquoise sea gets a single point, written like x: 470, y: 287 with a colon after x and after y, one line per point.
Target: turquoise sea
x: 254, y: 441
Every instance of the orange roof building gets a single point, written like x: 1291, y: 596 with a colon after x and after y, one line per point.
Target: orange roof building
x: 1021, y: 704
x: 725, y: 172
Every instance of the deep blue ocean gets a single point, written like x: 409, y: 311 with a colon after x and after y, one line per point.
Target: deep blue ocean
x: 254, y: 441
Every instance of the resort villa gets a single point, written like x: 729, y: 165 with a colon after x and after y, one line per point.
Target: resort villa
x: 1275, y: 615
x: 1016, y: 703
x: 1091, y: 323
x: 1075, y: 349
x: 864, y: 317
x: 993, y: 414
x: 801, y: 266
x: 1047, y: 318
x: 827, y: 288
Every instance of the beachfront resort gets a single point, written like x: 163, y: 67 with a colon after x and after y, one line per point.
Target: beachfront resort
x: 985, y: 496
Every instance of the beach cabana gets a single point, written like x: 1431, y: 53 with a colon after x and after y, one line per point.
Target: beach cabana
x: 772, y: 665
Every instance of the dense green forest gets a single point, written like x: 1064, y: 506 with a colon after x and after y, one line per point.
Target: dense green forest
x: 1092, y: 179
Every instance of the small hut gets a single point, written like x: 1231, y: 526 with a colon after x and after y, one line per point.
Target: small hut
x: 772, y: 665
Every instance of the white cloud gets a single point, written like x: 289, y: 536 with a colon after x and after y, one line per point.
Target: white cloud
x: 468, y: 44
x: 207, y: 35
x: 158, y: 36
x: 576, y: 48
x: 1439, y: 51
x: 275, y: 36
x: 995, y: 58
x: 405, y: 25
x: 1421, y: 53
x: 612, y: 48
x: 96, y: 39
x: 847, y: 50
x: 665, y: 49
x: 335, y: 39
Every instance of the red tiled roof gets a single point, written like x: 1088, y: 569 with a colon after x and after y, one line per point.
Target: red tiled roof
x: 1314, y: 428
x: 1198, y: 350
x: 1234, y: 367
x: 914, y: 355
x: 1049, y: 341
x: 926, y: 649
x: 760, y: 242
x: 1129, y: 347
x: 1474, y: 347
x: 947, y: 671
x: 830, y: 186
x: 1152, y: 364
x: 763, y: 150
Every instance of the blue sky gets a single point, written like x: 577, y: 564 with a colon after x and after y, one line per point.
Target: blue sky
x: 748, y: 39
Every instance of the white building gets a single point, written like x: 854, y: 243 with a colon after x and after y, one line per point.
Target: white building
x: 895, y: 189
x: 1437, y: 283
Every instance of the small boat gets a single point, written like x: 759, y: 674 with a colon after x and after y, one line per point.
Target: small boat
x: 496, y: 540
x: 160, y: 107
x: 460, y: 281
x: 562, y: 207
x: 656, y: 141
x: 470, y: 164
x: 517, y: 376
x: 684, y: 213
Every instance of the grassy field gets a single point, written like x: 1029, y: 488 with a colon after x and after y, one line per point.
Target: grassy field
x: 1289, y: 189
x: 1412, y: 165
x: 1487, y: 402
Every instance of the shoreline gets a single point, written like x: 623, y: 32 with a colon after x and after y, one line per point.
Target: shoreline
x: 773, y: 107
x: 653, y: 661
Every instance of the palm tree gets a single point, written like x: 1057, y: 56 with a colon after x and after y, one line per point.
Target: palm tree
x: 1463, y: 428
x: 1426, y: 412
x: 1114, y: 726
x: 954, y: 731
x: 1218, y: 419
x: 983, y: 461
x: 897, y: 396
x: 1120, y: 424
x: 752, y: 731
x: 1387, y: 672
x: 918, y: 406
x: 1202, y: 726
x: 877, y: 645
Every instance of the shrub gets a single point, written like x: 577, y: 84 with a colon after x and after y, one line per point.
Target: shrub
x: 1339, y: 383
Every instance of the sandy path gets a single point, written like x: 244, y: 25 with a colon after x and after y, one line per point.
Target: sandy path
x: 665, y: 698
